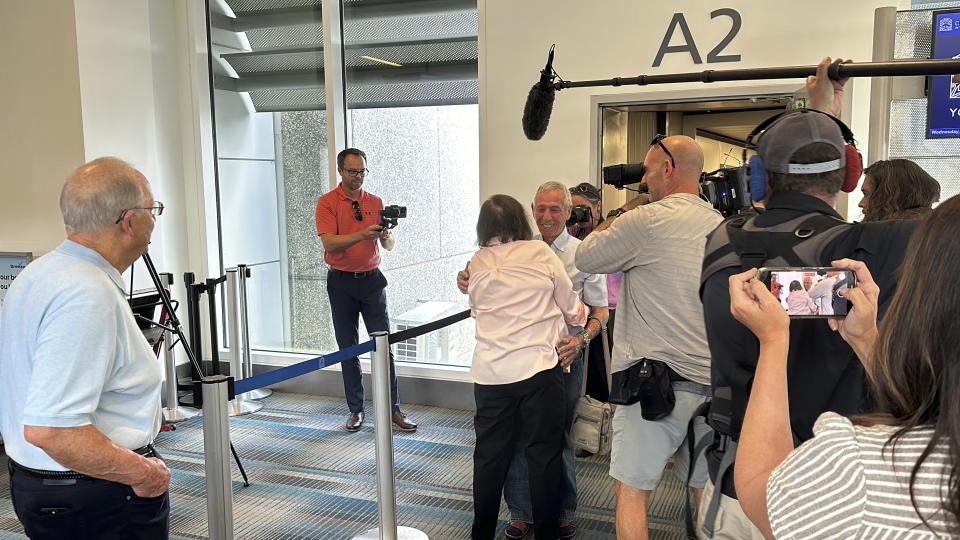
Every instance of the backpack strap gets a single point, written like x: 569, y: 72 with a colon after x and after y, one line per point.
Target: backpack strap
x: 738, y: 242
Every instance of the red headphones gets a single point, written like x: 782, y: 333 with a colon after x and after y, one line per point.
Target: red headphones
x: 756, y: 171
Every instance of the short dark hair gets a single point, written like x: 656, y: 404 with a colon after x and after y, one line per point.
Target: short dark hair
x: 349, y: 152
x: 795, y: 286
x: 502, y: 217
x: 901, y: 190
x: 826, y: 183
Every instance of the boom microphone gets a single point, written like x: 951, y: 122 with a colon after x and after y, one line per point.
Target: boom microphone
x: 536, y: 112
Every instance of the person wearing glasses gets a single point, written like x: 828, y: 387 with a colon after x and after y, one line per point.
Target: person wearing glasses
x: 659, y: 248
x: 80, y: 395
x: 348, y: 223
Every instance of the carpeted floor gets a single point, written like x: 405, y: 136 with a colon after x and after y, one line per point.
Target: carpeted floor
x: 311, y: 479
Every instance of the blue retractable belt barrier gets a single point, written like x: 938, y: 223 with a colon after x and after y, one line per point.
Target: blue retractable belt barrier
x: 301, y: 368
x: 320, y: 362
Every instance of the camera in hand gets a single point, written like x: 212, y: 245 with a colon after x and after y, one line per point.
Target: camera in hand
x: 390, y: 214
x: 810, y: 292
x: 726, y: 189
x: 579, y: 214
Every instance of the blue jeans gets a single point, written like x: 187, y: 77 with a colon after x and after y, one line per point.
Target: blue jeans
x: 516, y: 489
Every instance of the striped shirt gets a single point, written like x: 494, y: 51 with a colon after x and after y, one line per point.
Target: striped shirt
x: 844, y: 484
x: 659, y: 248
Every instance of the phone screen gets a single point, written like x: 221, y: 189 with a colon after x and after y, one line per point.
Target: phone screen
x: 810, y: 292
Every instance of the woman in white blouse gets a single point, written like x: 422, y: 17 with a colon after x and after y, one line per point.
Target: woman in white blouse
x: 522, y: 300
x: 891, y: 475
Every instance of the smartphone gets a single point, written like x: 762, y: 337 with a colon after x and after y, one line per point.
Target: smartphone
x: 810, y: 292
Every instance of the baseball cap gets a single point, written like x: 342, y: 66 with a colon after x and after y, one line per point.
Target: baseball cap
x: 793, y: 131
x: 587, y: 191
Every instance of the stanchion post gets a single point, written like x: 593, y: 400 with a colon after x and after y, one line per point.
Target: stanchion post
x: 238, y: 405
x: 243, y: 272
x: 383, y: 412
x: 233, y: 326
x: 216, y: 457
x: 173, y: 412
x: 380, y: 373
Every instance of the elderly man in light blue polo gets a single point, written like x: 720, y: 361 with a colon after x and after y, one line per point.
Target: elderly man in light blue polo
x: 80, y: 395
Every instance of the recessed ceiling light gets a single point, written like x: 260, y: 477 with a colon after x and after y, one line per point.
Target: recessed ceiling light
x: 382, y: 61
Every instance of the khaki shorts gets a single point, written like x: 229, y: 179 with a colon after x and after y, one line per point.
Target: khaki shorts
x: 731, y: 522
x: 641, y: 448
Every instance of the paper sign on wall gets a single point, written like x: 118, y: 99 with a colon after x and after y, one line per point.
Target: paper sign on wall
x: 10, y: 265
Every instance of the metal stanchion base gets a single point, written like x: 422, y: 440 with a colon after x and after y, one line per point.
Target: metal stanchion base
x: 259, y: 393
x: 240, y: 408
x: 403, y: 533
x: 178, y: 414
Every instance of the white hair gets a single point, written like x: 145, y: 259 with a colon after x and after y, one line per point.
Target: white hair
x: 555, y: 186
x: 97, y: 193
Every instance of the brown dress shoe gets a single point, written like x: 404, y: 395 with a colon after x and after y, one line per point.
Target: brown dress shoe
x: 400, y: 420
x: 354, y: 421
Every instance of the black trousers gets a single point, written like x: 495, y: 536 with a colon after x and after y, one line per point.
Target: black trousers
x: 351, y: 297
x: 596, y: 370
x: 86, y: 508
x: 527, y: 413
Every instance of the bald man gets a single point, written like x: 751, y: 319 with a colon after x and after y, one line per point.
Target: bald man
x: 660, y: 332
x: 80, y: 395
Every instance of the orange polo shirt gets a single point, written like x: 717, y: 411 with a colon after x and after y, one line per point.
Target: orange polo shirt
x: 336, y: 215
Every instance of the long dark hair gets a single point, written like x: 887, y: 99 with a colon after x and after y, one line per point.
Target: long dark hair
x: 901, y: 190
x: 916, y: 367
x: 502, y: 217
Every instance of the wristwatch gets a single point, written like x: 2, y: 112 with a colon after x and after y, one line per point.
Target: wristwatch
x: 615, y: 213
x: 585, y: 334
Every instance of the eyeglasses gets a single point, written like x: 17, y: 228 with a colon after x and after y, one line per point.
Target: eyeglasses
x: 155, y: 210
x: 658, y: 140
x: 357, y: 214
x: 356, y: 172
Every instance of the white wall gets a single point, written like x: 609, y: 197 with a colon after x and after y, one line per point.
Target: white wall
x: 599, y: 40
x: 40, y: 120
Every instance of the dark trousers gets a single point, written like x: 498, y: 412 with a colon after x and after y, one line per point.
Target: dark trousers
x: 351, y: 297
x: 596, y: 370
x: 86, y: 508
x: 527, y: 413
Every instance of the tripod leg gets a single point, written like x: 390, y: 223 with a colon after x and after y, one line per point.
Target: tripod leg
x: 243, y: 473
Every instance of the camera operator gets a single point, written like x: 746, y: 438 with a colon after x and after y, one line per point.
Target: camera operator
x: 800, y: 226
x: 658, y: 247
x: 586, y: 196
x: 350, y: 227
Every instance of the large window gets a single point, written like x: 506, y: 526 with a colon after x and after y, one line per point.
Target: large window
x: 410, y: 87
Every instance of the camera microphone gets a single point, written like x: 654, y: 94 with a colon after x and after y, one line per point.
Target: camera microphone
x: 539, y: 106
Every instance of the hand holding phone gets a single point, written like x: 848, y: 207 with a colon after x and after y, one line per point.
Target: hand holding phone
x: 859, y: 329
x: 810, y: 292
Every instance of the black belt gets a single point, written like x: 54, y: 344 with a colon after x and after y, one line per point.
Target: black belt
x: 355, y: 275
x: 145, y: 451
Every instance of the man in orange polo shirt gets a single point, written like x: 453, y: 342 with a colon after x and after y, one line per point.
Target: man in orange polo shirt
x: 348, y: 222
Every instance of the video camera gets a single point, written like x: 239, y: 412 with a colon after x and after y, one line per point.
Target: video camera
x: 619, y: 176
x: 390, y: 214
x: 579, y: 214
x: 727, y: 189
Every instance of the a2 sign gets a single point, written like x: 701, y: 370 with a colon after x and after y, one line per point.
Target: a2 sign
x: 689, y: 45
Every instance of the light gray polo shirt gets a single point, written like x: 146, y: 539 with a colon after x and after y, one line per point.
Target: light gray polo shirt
x: 659, y: 248
x: 71, y: 354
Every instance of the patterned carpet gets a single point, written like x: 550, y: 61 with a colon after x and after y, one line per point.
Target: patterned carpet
x: 310, y: 479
